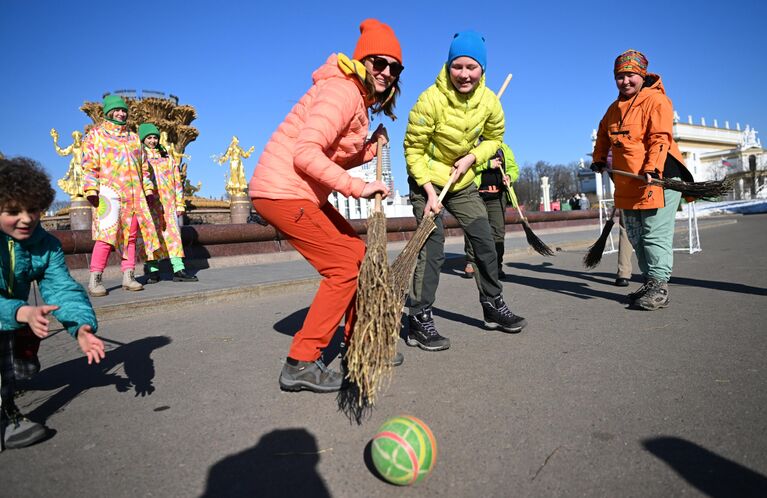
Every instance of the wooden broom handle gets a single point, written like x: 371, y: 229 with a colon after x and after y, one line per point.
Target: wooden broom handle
x: 503, y: 87
x: 379, y: 172
x: 632, y: 175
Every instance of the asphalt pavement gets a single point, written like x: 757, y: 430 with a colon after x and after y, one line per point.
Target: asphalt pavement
x: 591, y: 399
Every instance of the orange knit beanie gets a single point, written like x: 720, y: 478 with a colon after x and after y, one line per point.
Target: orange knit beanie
x: 377, y: 38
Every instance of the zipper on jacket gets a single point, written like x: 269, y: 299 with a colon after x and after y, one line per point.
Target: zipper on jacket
x: 12, y: 256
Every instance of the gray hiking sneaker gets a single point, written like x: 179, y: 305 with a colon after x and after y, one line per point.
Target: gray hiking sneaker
x: 498, y: 316
x: 633, y: 296
x: 424, y: 334
x: 18, y: 431
x: 311, y: 376
x: 655, y: 297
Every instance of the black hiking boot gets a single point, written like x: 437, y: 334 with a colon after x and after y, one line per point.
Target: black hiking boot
x: 152, y: 277
x: 655, y: 297
x: 311, y: 376
x: 498, y: 316
x: 183, y: 276
x: 424, y: 334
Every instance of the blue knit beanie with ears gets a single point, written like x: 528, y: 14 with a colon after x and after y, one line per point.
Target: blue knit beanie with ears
x: 469, y: 44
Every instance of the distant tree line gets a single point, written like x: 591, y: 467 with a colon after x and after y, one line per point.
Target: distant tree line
x: 563, y: 181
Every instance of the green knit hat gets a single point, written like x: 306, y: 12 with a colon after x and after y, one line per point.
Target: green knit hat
x: 114, y: 102
x: 146, y: 129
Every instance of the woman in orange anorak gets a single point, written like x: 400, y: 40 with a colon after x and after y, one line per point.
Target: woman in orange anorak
x: 638, y: 128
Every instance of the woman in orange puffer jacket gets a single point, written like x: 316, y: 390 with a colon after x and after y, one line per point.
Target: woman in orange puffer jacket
x: 304, y: 161
x: 638, y: 128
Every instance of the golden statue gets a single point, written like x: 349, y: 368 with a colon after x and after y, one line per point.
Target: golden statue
x: 236, y: 184
x: 171, y: 148
x: 189, y: 189
x: 72, y: 183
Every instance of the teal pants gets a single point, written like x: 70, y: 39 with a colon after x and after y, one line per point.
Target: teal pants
x: 470, y: 211
x: 651, y: 232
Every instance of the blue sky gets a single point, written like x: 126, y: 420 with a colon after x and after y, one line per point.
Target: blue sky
x: 244, y: 64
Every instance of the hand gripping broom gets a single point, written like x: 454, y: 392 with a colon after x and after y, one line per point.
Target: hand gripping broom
x: 373, y: 344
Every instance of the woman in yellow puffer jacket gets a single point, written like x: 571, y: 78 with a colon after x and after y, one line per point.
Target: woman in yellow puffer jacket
x: 443, y: 129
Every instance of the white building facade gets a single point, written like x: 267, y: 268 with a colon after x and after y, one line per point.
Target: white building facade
x: 395, y: 206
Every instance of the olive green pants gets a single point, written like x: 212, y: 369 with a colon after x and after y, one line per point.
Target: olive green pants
x: 651, y: 232
x: 470, y: 211
x: 496, y: 215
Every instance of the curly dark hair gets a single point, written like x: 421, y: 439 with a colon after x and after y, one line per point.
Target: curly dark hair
x: 25, y: 184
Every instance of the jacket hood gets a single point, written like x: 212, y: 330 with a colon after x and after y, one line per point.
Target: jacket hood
x: 652, y: 85
x: 445, y: 86
x: 341, y: 66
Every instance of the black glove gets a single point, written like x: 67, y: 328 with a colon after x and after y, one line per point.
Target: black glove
x: 597, y: 167
x: 653, y: 174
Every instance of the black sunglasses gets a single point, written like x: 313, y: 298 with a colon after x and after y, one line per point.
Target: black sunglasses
x: 379, y: 64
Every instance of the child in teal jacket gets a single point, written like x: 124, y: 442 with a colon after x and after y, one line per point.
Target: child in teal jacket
x: 28, y: 253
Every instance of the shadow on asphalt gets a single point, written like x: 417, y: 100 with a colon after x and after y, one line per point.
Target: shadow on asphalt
x: 580, y: 290
x: 293, y: 323
x: 73, y: 377
x: 722, y: 286
x: 710, y: 473
x: 283, y: 463
x: 607, y: 278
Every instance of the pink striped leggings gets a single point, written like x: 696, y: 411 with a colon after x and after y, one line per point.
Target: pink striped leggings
x: 101, y: 251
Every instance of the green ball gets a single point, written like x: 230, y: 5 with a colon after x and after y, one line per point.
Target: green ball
x: 404, y: 450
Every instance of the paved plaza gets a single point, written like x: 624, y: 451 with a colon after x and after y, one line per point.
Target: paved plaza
x: 591, y: 399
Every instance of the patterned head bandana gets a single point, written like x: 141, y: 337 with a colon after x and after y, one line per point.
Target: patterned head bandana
x: 631, y: 61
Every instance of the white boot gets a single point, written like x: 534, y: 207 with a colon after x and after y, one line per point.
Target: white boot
x: 129, y: 281
x: 95, y: 287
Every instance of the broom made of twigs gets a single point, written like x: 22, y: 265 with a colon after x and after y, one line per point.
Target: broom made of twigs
x: 404, y: 265
x: 374, y: 342
x: 533, y: 240
x: 699, y: 190
x: 594, y: 254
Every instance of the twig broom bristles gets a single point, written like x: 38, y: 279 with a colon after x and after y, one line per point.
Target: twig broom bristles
x: 404, y: 265
x: 535, y: 242
x: 374, y: 341
x: 594, y: 254
x: 699, y: 190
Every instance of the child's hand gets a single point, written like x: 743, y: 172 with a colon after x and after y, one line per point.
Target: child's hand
x: 91, y: 345
x: 463, y: 164
x: 34, y: 316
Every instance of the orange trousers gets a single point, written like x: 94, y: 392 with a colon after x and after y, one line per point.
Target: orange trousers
x: 330, y: 244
